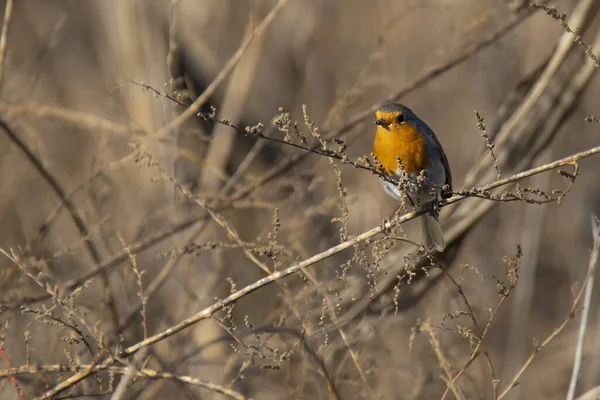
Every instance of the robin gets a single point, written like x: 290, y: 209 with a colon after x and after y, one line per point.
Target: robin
x: 402, y: 136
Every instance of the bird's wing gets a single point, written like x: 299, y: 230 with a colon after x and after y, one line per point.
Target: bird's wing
x: 448, y: 173
x: 425, y: 128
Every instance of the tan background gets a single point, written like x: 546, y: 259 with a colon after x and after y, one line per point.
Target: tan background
x: 67, y: 64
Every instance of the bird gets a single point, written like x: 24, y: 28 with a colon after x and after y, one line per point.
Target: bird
x: 402, y: 136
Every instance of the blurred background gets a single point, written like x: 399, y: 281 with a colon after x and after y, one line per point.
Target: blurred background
x: 83, y: 91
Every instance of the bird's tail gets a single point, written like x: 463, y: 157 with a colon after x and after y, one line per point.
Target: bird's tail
x: 433, y: 237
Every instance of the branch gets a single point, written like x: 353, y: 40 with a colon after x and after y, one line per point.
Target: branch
x: 207, y: 312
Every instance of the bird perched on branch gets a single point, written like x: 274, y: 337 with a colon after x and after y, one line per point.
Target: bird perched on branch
x: 409, y: 152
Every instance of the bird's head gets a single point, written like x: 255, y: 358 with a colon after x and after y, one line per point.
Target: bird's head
x: 395, y: 118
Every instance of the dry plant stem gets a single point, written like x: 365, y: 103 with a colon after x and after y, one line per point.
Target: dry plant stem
x: 62, y: 302
x: 586, y: 308
x: 480, y: 335
x: 475, y: 351
x: 353, y: 353
x: 552, y: 11
x: 123, y: 383
x: 58, y: 321
x: 151, y: 390
x: 445, y: 364
x: 130, y: 373
x: 572, y: 312
x: 139, y: 274
x: 141, y: 373
x: 4, y: 36
x: 158, y: 281
x: 334, y: 319
x: 233, y: 61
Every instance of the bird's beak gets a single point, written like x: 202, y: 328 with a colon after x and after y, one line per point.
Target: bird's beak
x: 382, y: 122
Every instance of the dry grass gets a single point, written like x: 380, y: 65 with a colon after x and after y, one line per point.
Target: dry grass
x: 189, y: 207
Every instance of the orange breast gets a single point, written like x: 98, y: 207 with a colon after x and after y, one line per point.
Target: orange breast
x: 404, y: 142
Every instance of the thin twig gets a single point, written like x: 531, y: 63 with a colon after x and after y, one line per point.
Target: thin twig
x: 12, y: 379
x: 64, y: 303
x: 488, y: 142
x: 572, y: 312
x: 138, y: 274
x: 158, y: 281
x: 444, y: 363
x: 480, y: 333
x: 586, y: 308
x: 552, y: 11
x: 72, y: 327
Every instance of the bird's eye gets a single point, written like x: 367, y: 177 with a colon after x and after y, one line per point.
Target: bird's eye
x: 401, y: 119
